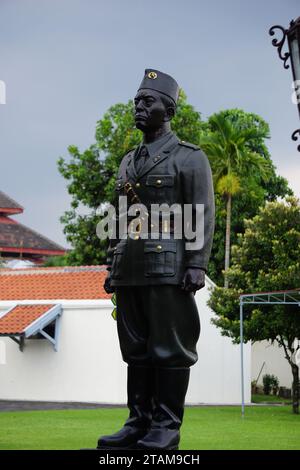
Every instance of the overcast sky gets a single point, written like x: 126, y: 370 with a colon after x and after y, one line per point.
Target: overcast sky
x: 65, y: 62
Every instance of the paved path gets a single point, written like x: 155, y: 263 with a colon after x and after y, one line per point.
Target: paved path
x: 9, y: 405
x: 16, y: 405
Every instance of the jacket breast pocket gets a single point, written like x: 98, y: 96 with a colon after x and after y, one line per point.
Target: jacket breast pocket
x: 160, y: 181
x: 160, y: 258
x: 117, y: 267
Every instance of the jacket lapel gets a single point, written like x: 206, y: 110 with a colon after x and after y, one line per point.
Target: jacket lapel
x: 162, y: 154
x: 131, y: 170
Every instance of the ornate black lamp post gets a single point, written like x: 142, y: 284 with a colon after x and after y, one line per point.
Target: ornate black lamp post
x: 293, y: 39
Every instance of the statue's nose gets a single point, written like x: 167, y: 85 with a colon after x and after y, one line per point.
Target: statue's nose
x: 139, y: 106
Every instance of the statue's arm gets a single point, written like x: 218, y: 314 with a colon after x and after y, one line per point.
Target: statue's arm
x: 197, y: 186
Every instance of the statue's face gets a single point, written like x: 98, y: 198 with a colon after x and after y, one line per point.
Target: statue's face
x: 150, y: 111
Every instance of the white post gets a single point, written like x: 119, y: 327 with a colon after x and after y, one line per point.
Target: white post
x: 242, y: 357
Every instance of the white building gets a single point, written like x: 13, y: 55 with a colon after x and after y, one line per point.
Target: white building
x: 87, y: 365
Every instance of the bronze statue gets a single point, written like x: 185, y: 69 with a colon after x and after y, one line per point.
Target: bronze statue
x: 155, y: 279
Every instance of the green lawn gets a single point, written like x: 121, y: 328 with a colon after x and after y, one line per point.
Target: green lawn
x: 204, y: 428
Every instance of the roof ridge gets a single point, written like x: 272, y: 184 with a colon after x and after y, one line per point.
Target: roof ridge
x: 52, y: 270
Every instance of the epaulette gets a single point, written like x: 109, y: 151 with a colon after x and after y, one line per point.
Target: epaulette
x: 187, y: 144
x: 127, y: 154
x: 129, y: 151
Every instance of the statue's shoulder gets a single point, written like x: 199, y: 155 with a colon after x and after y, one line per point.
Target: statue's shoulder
x: 126, y: 156
x: 132, y: 150
x: 188, y: 145
x: 129, y: 153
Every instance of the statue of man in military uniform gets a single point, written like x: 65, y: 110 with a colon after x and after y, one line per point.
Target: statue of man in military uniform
x: 155, y: 279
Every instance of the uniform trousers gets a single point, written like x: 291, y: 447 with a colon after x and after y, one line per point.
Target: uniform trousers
x: 158, y: 325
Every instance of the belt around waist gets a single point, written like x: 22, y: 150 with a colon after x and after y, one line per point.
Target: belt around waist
x: 163, y: 226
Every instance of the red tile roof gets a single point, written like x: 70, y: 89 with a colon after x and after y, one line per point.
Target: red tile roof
x: 68, y: 282
x: 20, y: 317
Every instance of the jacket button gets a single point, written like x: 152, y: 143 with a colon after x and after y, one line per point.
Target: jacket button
x: 158, y: 181
x: 159, y: 247
x: 137, y: 185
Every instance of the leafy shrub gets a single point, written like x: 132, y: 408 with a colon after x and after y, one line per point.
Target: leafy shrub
x: 271, y: 383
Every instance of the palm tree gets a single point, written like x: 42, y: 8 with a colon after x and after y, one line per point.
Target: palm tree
x: 228, y: 148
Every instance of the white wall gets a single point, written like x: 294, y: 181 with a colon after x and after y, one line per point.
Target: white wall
x: 88, y: 365
x: 215, y: 378
x: 275, y: 363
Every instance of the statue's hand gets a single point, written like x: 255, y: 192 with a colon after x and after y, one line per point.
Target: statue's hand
x: 107, y: 287
x: 193, y: 279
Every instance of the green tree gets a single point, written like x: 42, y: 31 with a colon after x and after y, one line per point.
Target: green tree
x: 265, y: 258
x: 53, y: 261
x: 233, y: 158
x: 254, y: 190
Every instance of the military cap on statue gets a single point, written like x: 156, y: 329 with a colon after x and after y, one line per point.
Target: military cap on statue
x: 162, y: 82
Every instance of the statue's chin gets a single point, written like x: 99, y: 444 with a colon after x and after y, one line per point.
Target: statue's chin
x: 141, y: 126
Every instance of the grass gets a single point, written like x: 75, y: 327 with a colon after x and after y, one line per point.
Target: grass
x: 270, y: 399
x: 204, y: 428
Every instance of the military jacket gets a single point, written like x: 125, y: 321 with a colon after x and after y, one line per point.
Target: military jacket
x: 178, y: 174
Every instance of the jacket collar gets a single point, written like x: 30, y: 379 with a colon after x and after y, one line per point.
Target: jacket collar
x: 153, y: 148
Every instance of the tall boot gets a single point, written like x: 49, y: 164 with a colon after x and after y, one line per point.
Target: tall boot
x: 140, y: 404
x: 170, y: 390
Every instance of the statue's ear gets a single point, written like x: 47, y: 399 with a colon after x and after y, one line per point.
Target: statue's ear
x: 170, y: 113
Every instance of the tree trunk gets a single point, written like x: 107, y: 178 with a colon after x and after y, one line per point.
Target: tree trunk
x: 295, y: 388
x: 227, y: 241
